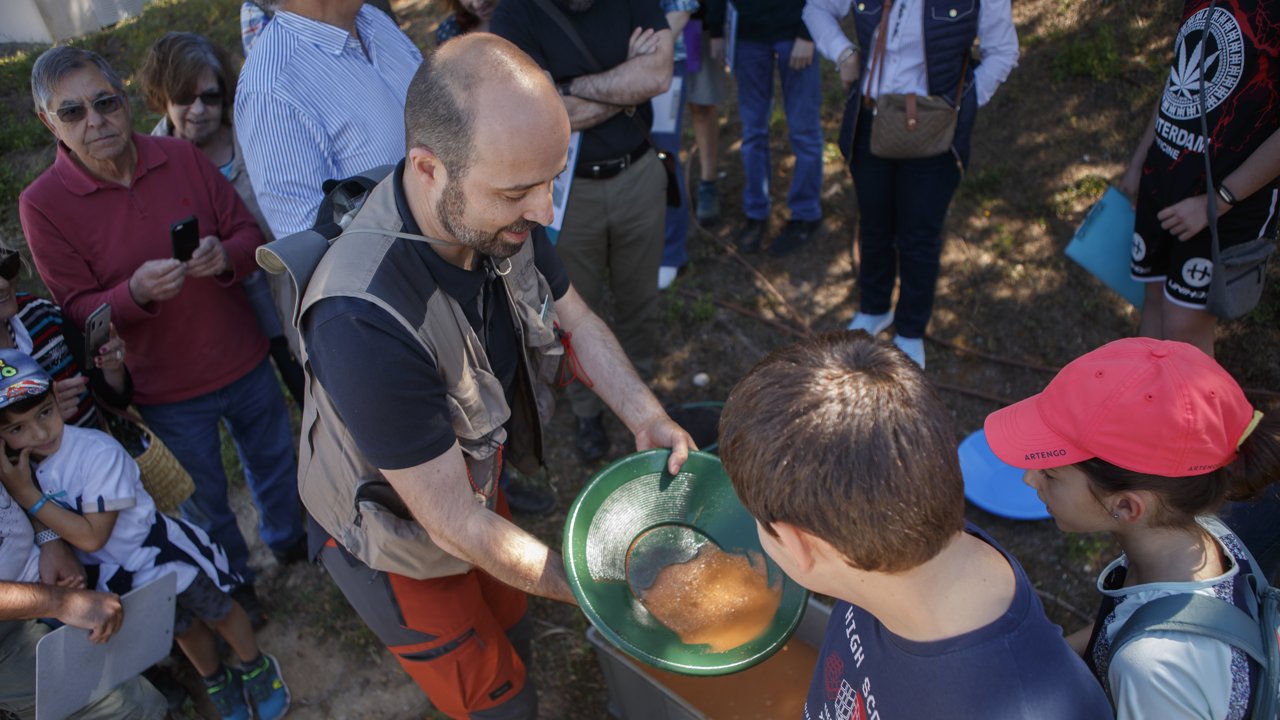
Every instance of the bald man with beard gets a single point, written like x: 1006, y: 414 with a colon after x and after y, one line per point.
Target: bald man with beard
x: 429, y: 330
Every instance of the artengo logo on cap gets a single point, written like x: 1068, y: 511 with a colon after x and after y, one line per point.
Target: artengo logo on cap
x: 7, y: 370
x: 1045, y: 454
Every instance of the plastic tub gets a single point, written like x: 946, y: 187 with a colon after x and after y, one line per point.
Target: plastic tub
x: 635, y: 694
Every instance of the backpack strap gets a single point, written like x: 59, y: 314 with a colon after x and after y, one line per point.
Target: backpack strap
x: 1198, y: 615
x: 343, y: 196
x: 298, y: 255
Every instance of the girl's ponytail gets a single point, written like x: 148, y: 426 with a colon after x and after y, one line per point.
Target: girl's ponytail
x: 1259, y: 462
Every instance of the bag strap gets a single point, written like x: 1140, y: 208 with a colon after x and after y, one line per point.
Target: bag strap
x: 593, y: 64
x: 876, y: 63
x: 875, y: 67
x: 124, y: 414
x: 1198, y: 615
x: 1211, y: 200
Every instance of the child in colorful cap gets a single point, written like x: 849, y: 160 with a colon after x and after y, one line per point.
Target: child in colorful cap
x: 88, y: 490
x: 1145, y: 439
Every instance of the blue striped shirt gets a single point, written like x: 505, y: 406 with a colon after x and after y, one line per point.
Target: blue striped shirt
x: 312, y: 106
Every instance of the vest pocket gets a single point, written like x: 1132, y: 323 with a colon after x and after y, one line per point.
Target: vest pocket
x: 385, y: 542
x: 477, y: 407
x: 868, y: 9
x: 953, y: 11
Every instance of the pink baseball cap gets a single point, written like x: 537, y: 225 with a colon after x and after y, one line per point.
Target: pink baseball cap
x: 1150, y: 406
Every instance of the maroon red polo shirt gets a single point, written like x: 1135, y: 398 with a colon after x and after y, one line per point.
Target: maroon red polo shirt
x: 88, y: 236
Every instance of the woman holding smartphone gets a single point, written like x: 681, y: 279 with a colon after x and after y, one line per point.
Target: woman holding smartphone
x: 1145, y: 439
x: 36, y: 327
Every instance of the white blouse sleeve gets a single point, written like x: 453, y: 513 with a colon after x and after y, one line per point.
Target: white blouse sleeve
x: 999, y: 45
x: 822, y: 17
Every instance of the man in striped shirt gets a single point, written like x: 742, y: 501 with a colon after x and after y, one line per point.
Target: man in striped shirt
x: 320, y: 97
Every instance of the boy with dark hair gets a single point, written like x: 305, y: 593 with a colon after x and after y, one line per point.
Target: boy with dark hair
x: 84, y: 486
x: 846, y: 457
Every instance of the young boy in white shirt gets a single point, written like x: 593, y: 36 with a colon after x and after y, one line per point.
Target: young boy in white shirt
x: 85, y: 487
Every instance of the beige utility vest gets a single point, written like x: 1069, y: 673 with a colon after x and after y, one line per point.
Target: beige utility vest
x: 362, y: 263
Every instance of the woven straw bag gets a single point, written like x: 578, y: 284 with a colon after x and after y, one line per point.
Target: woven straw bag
x: 163, y: 476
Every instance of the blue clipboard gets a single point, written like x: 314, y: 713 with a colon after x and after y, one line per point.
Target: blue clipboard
x: 1103, y: 245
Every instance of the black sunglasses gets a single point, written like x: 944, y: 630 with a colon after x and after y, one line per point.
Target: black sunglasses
x: 10, y: 265
x: 104, y: 105
x: 208, y: 97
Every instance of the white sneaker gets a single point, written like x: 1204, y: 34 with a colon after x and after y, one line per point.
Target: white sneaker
x: 913, y: 347
x: 666, y: 276
x: 873, y: 324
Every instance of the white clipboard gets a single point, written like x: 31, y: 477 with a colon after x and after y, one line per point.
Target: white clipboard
x: 666, y: 108
x: 72, y: 672
x: 561, y: 186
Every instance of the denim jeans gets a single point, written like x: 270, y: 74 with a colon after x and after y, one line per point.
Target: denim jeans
x: 254, y: 410
x: 901, y: 207
x: 802, y: 101
x: 675, y: 250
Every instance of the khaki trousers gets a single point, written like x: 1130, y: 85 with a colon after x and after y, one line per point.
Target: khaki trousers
x: 612, y: 234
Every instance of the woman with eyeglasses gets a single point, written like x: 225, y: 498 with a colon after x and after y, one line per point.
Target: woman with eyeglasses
x: 36, y: 327
x: 191, y: 83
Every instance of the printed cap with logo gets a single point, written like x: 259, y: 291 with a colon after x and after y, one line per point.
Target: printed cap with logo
x: 20, y: 377
x: 1149, y: 406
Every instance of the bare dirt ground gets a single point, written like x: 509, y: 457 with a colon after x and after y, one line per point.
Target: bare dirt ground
x: 1054, y: 135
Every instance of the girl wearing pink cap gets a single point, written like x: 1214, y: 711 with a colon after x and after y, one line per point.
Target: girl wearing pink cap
x: 1146, y: 439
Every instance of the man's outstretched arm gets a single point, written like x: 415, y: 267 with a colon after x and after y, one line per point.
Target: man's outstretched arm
x: 618, y: 384
x: 441, y: 500
x: 99, y: 613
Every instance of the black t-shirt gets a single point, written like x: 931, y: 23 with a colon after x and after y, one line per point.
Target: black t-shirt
x: 764, y: 21
x: 605, y: 29
x: 385, y: 386
x: 1242, y: 68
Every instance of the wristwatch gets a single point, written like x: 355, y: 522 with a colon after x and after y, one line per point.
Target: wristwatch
x: 46, y: 536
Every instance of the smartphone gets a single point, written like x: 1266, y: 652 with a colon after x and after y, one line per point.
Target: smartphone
x: 185, y: 236
x: 97, y: 331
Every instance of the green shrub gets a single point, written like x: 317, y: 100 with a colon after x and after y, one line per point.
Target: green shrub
x: 1089, y: 55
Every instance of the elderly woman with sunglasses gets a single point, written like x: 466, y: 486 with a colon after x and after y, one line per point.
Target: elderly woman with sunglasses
x: 191, y: 83
x: 98, y: 223
x: 36, y: 327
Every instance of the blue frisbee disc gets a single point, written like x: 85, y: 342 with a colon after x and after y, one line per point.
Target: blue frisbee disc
x: 995, y: 486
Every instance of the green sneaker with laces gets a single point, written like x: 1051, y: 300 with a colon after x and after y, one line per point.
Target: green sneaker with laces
x: 228, y: 696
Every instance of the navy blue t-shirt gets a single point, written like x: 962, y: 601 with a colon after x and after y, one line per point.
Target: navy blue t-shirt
x: 385, y: 386
x: 1016, y: 667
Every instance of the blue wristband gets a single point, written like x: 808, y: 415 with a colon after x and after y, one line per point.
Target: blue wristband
x: 40, y: 503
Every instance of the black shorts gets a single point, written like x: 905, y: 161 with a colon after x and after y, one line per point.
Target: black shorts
x: 1187, y: 267
x: 202, y: 599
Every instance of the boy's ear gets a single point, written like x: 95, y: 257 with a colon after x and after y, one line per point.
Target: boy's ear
x: 798, y: 544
